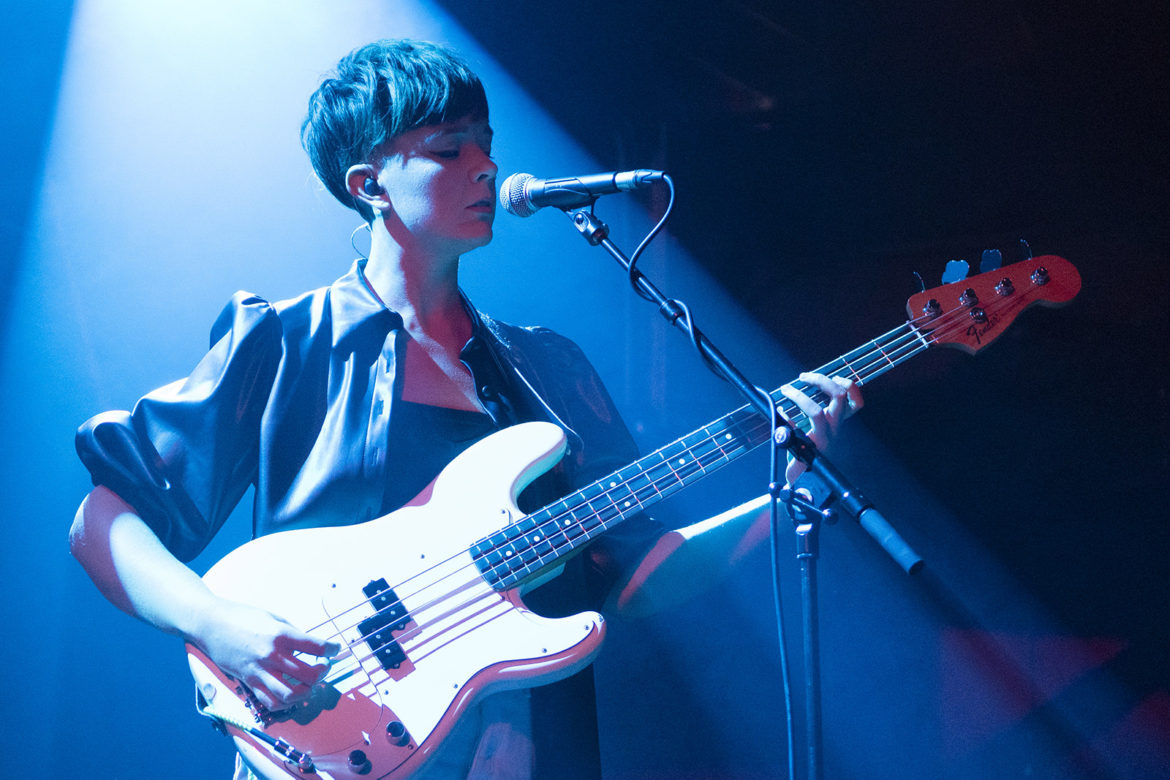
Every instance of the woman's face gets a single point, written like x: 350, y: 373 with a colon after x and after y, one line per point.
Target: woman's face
x: 440, y: 181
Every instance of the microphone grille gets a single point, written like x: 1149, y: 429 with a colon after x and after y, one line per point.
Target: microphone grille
x: 513, y: 197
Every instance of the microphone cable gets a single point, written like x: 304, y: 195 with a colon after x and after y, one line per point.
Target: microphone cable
x: 679, y: 310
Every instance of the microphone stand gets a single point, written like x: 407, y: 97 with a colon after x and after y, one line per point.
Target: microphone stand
x: 806, y: 515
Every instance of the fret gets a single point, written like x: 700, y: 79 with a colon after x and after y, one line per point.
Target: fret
x: 635, y: 495
x: 672, y: 452
x: 661, y: 475
x: 684, y: 465
x: 732, y: 445
x: 511, y: 560
x: 714, y: 436
x: 542, y: 546
x: 586, y: 493
x: 490, y: 556
x: 882, y: 352
x: 754, y: 429
x: 559, y: 507
x: 917, y: 332
x: 643, y: 485
x: 527, y: 555
x: 690, y: 468
x: 597, y: 506
x: 554, y: 529
x: 623, y: 498
x: 672, y: 489
x: 734, y: 439
x: 707, y: 450
x: 629, y: 475
x: 599, y: 521
x: 691, y: 440
x: 849, y: 367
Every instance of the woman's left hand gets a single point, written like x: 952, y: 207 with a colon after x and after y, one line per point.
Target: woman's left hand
x: 844, y: 399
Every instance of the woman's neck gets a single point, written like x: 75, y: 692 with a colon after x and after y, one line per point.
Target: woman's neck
x: 422, y: 288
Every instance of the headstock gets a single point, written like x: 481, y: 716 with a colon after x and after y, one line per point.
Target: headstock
x: 971, y: 313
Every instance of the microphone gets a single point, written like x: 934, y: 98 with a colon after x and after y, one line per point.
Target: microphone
x: 522, y: 194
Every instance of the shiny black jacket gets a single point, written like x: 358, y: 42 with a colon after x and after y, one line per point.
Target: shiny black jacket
x: 296, y: 398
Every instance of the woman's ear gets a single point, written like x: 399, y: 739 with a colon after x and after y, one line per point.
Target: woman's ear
x: 362, y: 183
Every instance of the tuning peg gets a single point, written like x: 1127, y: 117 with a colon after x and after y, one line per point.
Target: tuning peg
x: 992, y: 259
x: 955, y: 271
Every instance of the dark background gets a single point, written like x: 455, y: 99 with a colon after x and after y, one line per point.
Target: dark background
x: 822, y: 155
x: 823, y: 152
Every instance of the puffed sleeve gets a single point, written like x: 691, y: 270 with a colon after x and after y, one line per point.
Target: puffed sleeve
x: 189, y: 450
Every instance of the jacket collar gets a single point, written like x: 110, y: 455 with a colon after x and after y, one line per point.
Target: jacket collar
x: 356, y: 311
x: 355, y: 308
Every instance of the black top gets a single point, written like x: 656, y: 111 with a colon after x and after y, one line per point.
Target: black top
x: 429, y: 438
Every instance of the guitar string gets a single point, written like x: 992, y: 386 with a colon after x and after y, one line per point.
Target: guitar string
x: 426, y: 623
x: 886, y: 362
x: 885, y: 349
x: 554, y: 519
x: 791, y: 412
x: 891, y: 354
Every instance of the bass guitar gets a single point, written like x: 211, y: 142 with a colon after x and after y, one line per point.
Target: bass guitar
x: 425, y: 601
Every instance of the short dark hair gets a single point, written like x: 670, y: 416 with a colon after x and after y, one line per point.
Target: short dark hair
x: 379, y: 92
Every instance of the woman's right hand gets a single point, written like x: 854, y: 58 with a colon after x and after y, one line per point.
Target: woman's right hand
x: 269, y: 655
x: 140, y: 576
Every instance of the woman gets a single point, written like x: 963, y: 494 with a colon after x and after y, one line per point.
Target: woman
x: 341, y: 405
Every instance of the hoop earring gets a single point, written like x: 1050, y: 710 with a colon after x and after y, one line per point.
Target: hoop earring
x: 353, y: 235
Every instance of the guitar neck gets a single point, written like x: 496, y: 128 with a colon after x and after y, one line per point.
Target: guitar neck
x: 968, y: 314
x: 524, y: 548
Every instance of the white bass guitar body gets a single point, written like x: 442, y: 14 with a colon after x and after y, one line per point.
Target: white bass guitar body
x: 423, y: 633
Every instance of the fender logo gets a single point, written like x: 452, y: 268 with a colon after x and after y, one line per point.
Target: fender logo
x: 980, y: 329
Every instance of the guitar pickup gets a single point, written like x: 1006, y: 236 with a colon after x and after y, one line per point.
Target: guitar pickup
x: 378, y: 630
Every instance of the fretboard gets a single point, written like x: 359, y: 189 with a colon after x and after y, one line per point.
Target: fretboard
x: 975, y: 312
x: 540, y: 540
